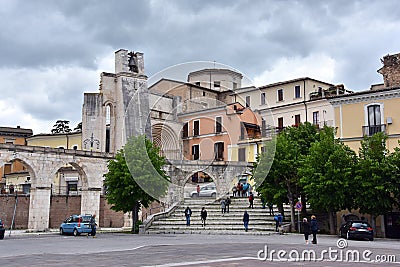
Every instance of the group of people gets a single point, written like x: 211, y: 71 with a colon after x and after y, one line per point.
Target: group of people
x: 225, y: 203
x: 203, y: 216
x: 241, y: 190
x: 310, y: 228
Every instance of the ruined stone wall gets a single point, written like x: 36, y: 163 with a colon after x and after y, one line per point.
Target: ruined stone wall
x: 391, y: 70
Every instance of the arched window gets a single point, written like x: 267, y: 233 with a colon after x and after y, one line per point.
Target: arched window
x: 108, y: 130
x: 374, y: 119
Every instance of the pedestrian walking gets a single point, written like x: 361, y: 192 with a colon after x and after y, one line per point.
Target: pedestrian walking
x: 223, y: 206
x: 306, y: 229
x: 278, y: 221
x: 227, y: 204
x: 198, y: 190
x: 271, y: 208
x: 314, y: 228
x: 246, y: 219
x: 251, y: 200
x: 93, y: 226
x: 239, y: 189
x: 234, y: 191
x: 245, y: 188
x: 188, y: 213
x: 203, y: 215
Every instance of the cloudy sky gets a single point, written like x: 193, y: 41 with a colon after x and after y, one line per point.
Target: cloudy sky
x: 51, y: 52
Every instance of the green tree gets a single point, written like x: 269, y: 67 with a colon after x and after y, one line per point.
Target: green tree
x: 373, y: 182
x: 136, y: 177
x: 281, y: 184
x: 326, y: 175
x: 61, y: 126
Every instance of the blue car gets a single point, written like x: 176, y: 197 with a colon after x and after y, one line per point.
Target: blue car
x: 76, y: 225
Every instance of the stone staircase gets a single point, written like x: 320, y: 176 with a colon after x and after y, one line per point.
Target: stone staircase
x: 217, y: 223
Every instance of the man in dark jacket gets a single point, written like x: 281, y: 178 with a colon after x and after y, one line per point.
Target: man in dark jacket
x: 203, y: 215
x: 246, y: 219
x: 306, y: 229
x: 188, y: 213
x: 314, y: 228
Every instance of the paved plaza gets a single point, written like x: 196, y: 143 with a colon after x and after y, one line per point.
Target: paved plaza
x: 121, y: 249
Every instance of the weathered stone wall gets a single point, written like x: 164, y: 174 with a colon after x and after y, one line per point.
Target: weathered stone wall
x: 7, y: 203
x: 391, y: 70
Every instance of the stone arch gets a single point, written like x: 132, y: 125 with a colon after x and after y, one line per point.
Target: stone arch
x: 168, y: 141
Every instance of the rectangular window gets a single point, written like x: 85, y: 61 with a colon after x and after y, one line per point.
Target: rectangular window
x: 7, y: 168
x: 197, y: 83
x: 196, y: 128
x: 297, y: 119
x: 315, y: 117
x: 263, y: 128
x: 297, y: 91
x: 280, y: 94
x: 195, y: 152
x: 262, y: 98
x: 185, y: 130
x: 242, y: 154
x: 374, y: 119
x: 217, y: 84
x: 247, y: 101
x: 243, y: 132
x: 234, y: 86
x: 218, y: 124
x: 280, y: 123
x: 219, y: 151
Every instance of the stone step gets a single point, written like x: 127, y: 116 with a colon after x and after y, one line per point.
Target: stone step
x: 210, y: 232
x: 158, y: 223
x: 212, y: 227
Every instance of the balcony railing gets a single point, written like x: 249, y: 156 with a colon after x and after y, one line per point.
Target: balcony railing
x: 373, y: 129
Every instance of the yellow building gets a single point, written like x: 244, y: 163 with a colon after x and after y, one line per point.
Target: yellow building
x: 375, y: 110
x: 61, y: 140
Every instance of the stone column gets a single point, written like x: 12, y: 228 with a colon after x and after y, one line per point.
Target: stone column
x: 90, y: 201
x: 39, y: 209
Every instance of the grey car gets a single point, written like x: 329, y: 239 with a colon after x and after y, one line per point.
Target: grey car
x: 208, y: 190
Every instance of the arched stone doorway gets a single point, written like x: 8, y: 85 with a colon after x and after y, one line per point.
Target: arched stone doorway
x: 166, y: 139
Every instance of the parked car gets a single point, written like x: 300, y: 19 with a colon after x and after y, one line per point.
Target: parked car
x: 76, y: 225
x: 357, y: 230
x: 208, y: 190
x: 2, y: 229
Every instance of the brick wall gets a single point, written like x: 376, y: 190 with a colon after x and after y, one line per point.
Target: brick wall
x: 391, y: 70
x: 61, y: 207
x: 109, y: 217
x: 7, y: 203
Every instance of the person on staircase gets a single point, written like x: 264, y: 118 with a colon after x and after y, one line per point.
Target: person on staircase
x: 227, y: 204
x: 203, y: 215
x: 223, y: 206
x: 188, y: 213
x: 251, y: 200
x: 246, y: 219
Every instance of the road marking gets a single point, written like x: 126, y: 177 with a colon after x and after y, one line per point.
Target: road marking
x: 202, y: 262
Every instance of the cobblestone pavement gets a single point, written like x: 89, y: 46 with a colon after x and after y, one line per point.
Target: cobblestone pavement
x: 118, y: 249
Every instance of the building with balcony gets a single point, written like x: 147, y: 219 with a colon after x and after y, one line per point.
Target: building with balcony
x: 291, y: 102
x: 371, y: 111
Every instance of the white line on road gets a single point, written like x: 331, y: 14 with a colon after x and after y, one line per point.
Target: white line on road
x: 201, y: 262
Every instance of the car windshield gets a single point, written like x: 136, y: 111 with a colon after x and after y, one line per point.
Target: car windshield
x: 360, y: 225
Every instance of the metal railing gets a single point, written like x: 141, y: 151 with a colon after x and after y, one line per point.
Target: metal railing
x: 373, y: 129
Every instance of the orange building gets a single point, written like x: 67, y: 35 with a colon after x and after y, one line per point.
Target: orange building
x: 17, y: 136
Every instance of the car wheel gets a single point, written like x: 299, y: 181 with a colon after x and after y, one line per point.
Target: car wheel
x: 2, y: 236
x: 61, y: 231
x: 76, y: 233
x: 213, y: 195
x: 371, y: 239
x: 194, y: 195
